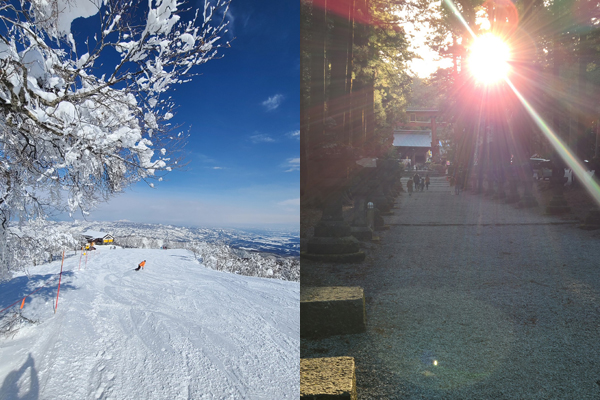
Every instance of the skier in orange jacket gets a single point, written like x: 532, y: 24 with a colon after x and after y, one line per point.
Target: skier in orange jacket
x: 142, y: 264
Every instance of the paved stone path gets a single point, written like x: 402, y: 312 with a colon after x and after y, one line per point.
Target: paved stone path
x: 469, y: 298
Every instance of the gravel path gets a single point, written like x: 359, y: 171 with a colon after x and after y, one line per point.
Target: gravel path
x: 468, y: 298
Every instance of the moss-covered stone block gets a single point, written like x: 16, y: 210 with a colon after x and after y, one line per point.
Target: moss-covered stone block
x: 331, y: 378
x: 332, y: 310
x: 333, y: 245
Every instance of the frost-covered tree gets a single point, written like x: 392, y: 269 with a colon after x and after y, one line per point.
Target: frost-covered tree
x: 34, y: 243
x: 68, y: 124
x: 224, y: 258
x: 81, y: 118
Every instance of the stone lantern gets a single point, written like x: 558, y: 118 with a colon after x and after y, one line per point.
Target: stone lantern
x: 332, y: 240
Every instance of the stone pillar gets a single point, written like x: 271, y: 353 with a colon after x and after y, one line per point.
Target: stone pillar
x: 398, y: 182
x: 490, y: 192
x: 500, y: 193
x: 359, y: 227
x: 479, y: 189
x: 386, y: 171
x: 513, y: 182
x: 371, y: 215
x: 378, y: 196
x: 377, y: 199
x: 397, y: 179
x: 391, y: 176
x: 513, y: 191
x: 378, y: 221
x: 473, y: 182
x: 558, y: 205
x: 528, y: 199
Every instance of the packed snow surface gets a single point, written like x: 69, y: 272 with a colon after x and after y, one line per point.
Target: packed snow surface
x: 175, y: 330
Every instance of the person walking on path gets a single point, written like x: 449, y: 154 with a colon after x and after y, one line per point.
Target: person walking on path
x: 409, y: 186
x: 416, y: 180
x: 141, y: 265
x: 427, y: 181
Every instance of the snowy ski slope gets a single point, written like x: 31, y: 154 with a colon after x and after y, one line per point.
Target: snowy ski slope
x: 175, y: 330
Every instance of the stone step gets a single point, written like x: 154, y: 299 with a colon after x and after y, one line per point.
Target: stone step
x: 327, y: 378
x: 331, y: 310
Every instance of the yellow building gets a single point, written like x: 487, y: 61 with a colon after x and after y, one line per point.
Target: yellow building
x: 97, y: 238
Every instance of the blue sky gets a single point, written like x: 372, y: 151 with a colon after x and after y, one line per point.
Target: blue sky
x: 242, y: 114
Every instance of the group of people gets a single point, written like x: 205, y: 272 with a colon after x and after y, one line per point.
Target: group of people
x: 419, y: 183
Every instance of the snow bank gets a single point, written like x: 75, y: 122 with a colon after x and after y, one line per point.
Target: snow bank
x: 175, y: 330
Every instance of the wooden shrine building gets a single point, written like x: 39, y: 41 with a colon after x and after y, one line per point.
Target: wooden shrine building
x: 424, y: 117
x: 413, y: 145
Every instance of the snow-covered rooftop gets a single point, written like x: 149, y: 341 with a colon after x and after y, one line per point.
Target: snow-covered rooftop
x: 94, y: 234
x: 414, y: 138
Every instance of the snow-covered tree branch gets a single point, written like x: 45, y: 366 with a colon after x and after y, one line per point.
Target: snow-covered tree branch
x: 81, y: 118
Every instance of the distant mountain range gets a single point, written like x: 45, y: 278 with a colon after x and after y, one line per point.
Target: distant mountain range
x: 279, y: 242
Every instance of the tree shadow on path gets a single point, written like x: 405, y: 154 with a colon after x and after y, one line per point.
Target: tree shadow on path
x: 19, y: 287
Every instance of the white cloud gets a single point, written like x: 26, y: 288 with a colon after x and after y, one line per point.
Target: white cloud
x: 188, y: 210
x: 203, y: 158
x: 229, y: 33
x: 273, y: 102
x: 290, y: 202
x: 231, y: 19
x: 293, y: 164
x: 261, y: 138
x: 217, y: 167
x: 294, y: 134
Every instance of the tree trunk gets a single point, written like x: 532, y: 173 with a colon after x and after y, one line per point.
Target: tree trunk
x: 311, y: 137
x: 338, y: 106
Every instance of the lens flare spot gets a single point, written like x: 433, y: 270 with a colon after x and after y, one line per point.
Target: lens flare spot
x: 488, y: 60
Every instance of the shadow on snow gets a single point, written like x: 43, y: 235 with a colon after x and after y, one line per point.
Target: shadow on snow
x: 10, y: 387
x: 19, y: 287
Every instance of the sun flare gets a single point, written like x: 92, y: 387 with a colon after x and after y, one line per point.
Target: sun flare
x: 488, y: 60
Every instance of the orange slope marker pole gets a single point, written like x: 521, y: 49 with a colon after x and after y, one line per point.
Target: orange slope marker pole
x: 24, y: 298
x: 59, y: 278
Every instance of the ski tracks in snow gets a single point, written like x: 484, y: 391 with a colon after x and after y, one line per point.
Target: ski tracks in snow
x: 175, y: 330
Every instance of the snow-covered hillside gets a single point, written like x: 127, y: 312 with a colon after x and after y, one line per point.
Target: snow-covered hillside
x: 175, y: 330
x: 40, y: 241
x: 280, y: 242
